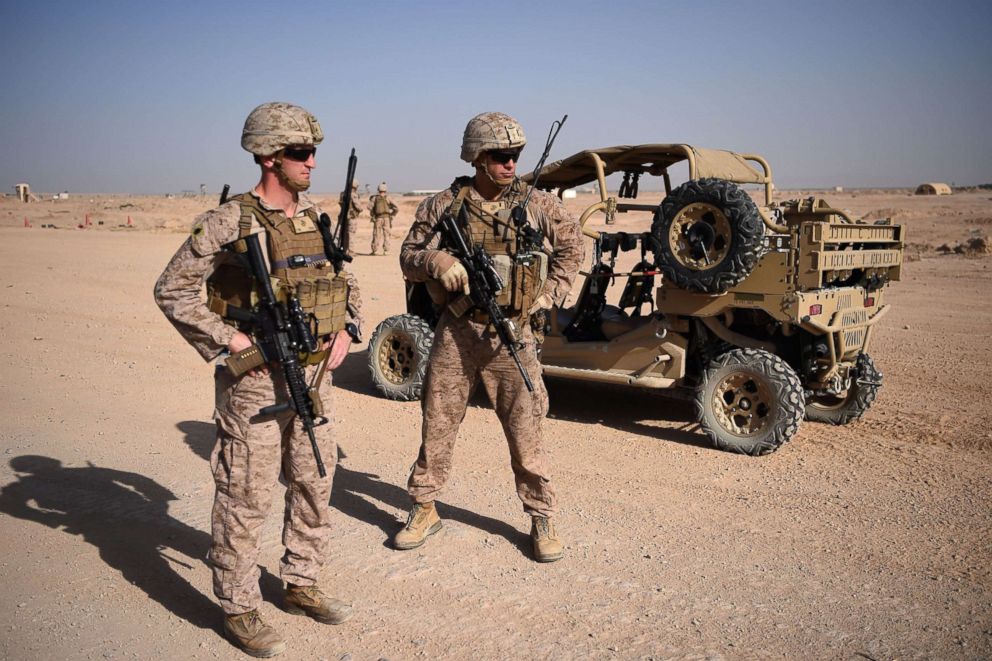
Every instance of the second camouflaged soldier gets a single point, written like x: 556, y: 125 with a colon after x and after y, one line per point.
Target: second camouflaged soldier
x: 252, y: 450
x: 382, y: 210
x: 354, y: 211
x: 466, y: 349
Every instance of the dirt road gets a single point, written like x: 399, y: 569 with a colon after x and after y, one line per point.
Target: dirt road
x: 867, y: 541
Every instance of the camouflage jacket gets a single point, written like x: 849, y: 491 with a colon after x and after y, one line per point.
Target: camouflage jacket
x: 422, y: 260
x: 179, y: 290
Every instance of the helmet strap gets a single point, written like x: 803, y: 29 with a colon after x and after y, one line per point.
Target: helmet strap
x: 480, y: 164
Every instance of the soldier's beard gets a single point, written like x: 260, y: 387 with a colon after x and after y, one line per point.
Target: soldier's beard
x: 298, y: 185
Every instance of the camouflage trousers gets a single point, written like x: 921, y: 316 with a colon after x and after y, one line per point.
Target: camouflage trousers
x: 352, y: 235
x: 465, y: 353
x: 246, y: 462
x: 380, y: 234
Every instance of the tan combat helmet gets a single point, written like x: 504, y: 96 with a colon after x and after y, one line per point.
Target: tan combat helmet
x: 274, y: 126
x: 488, y: 131
x: 354, y: 184
x: 382, y: 187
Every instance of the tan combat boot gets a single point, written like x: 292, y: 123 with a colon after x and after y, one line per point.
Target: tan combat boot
x: 547, y: 546
x: 309, y: 600
x: 252, y: 636
x: 422, y: 523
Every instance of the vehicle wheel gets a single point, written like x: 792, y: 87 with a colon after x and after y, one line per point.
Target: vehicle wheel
x: 707, y: 235
x: 750, y: 401
x: 398, y: 353
x: 842, y: 409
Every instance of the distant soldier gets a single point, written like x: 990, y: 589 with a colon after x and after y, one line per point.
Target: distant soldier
x: 356, y: 209
x: 382, y: 210
x: 466, y: 350
x: 252, y: 449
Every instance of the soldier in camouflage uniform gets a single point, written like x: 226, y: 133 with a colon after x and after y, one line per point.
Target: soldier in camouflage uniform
x: 382, y: 210
x: 252, y: 450
x: 354, y: 211
x: 466, y: 349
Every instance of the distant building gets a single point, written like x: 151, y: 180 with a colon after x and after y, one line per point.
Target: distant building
x: 933, y: 188
x: 24, y: 193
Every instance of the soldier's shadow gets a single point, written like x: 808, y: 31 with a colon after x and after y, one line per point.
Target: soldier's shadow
x: 125, y: 516
x: 624, y: 409
x: 354, y: 492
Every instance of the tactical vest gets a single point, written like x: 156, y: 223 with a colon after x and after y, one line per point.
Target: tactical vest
x: 380, y: 206
x: 490, y: 227
x: 298, y: 267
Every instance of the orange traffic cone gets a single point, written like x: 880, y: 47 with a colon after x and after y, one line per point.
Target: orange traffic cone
x: 129, y: 223
x: 27, y: 223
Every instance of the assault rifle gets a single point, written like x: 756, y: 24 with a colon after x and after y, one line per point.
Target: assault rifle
x: 281, y: 331
x: 341, y: 233
x: 335, y: 254
x: 484, y: 284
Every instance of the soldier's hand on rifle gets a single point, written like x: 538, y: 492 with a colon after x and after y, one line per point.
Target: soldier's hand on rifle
x: 338, y: 346
x: 543, y: 302
x: 456, y: 278
x: 240, y: 342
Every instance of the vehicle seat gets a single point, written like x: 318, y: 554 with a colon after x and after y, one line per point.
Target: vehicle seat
x: 615, y: 322
x: 564, y: 316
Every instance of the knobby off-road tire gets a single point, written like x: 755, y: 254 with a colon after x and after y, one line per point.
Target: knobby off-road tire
x: 750, y: 401
x: 398, y: 353
x: 708, y: 236
x: 842, y: 409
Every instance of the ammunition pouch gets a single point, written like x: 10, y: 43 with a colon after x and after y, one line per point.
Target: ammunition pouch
x: 324, y: 298
x: 525, y: 278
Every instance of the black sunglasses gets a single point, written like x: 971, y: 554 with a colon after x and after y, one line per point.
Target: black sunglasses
x: 503, y: 157
x: 300, y: 154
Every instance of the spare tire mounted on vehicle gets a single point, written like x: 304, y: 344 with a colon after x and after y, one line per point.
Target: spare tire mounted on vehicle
x: 707, y: 236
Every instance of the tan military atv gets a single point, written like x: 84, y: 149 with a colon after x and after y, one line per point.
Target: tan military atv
x: 763, y: 312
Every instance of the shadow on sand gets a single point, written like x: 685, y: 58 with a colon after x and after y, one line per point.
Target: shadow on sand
x: 626, y: 409
x: 356, y: 493
x: 125, y: 516
x: 617, y: 407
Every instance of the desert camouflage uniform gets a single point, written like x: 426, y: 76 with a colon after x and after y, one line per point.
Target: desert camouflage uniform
x: 353, y: 213
x: 248, y: 456
x: 381, y: 223
x: 466, y: 352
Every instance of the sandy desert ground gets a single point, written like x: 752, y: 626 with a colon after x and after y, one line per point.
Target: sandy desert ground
x: 869, y: 541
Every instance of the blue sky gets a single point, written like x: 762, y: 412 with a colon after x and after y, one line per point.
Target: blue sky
x: 150, y: 97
